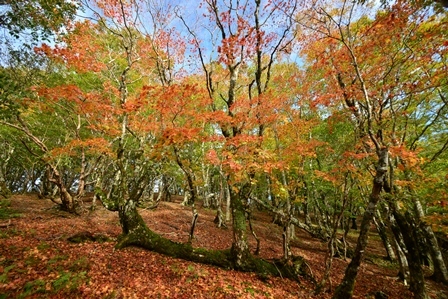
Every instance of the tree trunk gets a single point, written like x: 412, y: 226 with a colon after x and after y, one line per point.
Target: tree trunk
x: 257, y: 249
x: 440, y: 271
x: 219, y: 218
x: 403, y: 262
x: 69, y: 203
x: 194, y: 220
x: 45, y: 185
x: 332, y: 244
x: 306, y: 213
x: 136, y: 233
x: 401, y: 250
x: 382, y: 231
x: 287, y: 222
x: 410, y: 236
x: 228, y: 201
x: 345, y: 289
x: 240, y: 246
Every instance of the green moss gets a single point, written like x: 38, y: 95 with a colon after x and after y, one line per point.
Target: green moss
x: 81, y: 264
x: 43, y: 246
x: 4, y: 275
x: 5, y: 210
x: 69, y: 281
x: 136, y: 233
x: 53, y: 263
x: 33, y: 287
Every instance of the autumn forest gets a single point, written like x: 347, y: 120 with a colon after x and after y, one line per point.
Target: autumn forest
x: 324, y: 120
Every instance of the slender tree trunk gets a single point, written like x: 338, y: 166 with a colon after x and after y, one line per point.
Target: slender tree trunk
x: 345, y: 289
x: 287, y: 222
x: 219, y: 218
x: 326, y: 277
x: 306, y: 213
x: 333, y: 242
x: 401, y: 250
x: 403, y: 262
x: 257, y: 249
x: 189, y: 176
x: 45, y: 186
x: 382, y: 231
x: 271, y: 195
x: 228, y: 201
x: 440, y: 271
x: 194, y: 220
x: 344, y: 239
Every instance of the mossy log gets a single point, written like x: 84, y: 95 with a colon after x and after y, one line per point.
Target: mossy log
x: 147, y: 239
x: 136, y: 233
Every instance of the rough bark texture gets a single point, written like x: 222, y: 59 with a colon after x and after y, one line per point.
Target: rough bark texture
x: 240, y: 247
x: 136, y: 233
x: 410, y: 235
x: 345, y: 289
x: 69, y: 203
x: 440, y: 270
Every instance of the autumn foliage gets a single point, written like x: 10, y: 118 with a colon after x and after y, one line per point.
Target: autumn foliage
x: 320, y: 115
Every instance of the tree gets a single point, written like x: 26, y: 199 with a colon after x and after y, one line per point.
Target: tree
x: 374, y: 86
x: 40, y: 16
x: 246, y: 49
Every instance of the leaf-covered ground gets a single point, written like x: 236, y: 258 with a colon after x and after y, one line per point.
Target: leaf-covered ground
x: 38, y: 259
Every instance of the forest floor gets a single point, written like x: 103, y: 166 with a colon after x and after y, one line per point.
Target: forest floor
x: 38, y: 260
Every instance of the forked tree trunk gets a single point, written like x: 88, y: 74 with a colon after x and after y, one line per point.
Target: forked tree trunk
x: 345, y: 289
x: 69, y: 203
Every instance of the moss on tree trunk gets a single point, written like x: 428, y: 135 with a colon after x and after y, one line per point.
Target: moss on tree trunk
x: 136, y: 233
x: 240, y: 248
